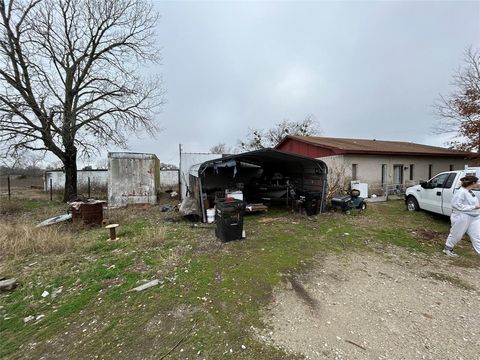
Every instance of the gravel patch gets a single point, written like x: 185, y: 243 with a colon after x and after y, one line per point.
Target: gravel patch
x: 369, y: 306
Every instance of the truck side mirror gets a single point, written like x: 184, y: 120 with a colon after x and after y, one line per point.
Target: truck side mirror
x: 424, y: 184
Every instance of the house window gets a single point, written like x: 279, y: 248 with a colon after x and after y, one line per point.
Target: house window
x: 430, y: 171
x: 354, y: 171
x: 451, y: 167
x: 411, y: 171
x: 384, y: 174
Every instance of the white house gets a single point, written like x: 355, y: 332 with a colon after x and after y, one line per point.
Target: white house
x: 381, y: 164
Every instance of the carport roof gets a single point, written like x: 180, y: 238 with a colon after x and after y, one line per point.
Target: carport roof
x: 263, y: 157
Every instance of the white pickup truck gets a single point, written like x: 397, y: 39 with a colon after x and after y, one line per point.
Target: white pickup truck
x: 435, y: 195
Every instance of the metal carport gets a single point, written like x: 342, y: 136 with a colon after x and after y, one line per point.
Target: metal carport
x: 257, y: 170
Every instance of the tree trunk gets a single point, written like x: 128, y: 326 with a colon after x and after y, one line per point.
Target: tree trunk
x: 70, y: 164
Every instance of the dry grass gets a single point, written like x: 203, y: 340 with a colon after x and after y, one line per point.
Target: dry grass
x: 24, y: 239
x: 9, y: 207
x: 155, y: 237
x: 120, y: 216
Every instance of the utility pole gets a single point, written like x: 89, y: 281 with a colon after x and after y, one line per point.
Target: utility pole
x: 180, y: 171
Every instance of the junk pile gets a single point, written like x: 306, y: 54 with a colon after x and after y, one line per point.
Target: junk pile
x: 308, y: 203
x: 262, y: 178
x: 189, y: 209
x: 89, y: 212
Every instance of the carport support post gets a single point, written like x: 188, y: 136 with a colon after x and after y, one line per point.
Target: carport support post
x: 9, y: 192
x: 202, y: 207
x: 51, y: 190
x: 324, y: 195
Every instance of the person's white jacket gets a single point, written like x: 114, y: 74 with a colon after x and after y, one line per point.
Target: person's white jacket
x: 464, y: 201
x: 465, y: 218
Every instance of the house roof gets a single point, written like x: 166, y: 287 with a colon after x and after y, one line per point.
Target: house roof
x: 367, y: 146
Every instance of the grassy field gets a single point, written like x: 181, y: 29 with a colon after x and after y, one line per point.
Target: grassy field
x: 210, y: 294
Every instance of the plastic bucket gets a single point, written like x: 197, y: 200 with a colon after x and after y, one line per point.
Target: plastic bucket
x: 210, y: 215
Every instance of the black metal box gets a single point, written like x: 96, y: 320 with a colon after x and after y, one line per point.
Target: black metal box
x: 229, y: 219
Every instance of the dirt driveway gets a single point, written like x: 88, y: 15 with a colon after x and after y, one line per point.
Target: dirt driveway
x: 372, y: 306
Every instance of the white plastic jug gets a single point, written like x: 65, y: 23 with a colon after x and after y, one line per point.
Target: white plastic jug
x: 210, y: 215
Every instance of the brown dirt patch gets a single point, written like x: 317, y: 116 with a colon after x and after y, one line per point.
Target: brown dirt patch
x: 374, y: 307
x: 423, y: 235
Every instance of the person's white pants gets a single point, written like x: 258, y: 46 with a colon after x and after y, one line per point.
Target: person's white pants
x: 461, y: 224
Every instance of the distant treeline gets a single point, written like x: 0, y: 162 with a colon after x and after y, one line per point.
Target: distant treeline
x: 27, y: 171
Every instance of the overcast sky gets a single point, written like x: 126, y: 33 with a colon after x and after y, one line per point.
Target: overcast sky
x: 363, y: 69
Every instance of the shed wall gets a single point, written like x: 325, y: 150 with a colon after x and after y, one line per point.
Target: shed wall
x: 98, y: 180
x: 169, y: 178
x: 133, y: 180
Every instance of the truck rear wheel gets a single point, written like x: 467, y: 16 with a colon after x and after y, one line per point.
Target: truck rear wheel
x: 412, y: 204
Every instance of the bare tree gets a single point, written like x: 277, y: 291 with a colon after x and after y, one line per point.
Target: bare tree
x: 54, y: 165
x: 166, y: 166
x: 70, y: 78
x: 27, y: 163
x: 220, y: 148
x: 337, y: 180
x: 23, y: 159
x: 460, y: 111
x: 259, y: 139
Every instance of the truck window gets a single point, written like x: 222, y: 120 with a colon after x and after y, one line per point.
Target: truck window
x: 438, y: 181
x: 448, y: 184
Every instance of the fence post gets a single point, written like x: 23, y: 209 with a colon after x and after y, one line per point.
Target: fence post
x: 51, y: 190
x: 8, y: 184
x: 180, y: 172
x: 179, y: 185
x: 89, y: 187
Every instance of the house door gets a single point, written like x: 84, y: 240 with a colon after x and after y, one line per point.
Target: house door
x: 397, y: 174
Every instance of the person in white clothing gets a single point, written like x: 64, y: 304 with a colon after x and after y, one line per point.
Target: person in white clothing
x: 465, y: 216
